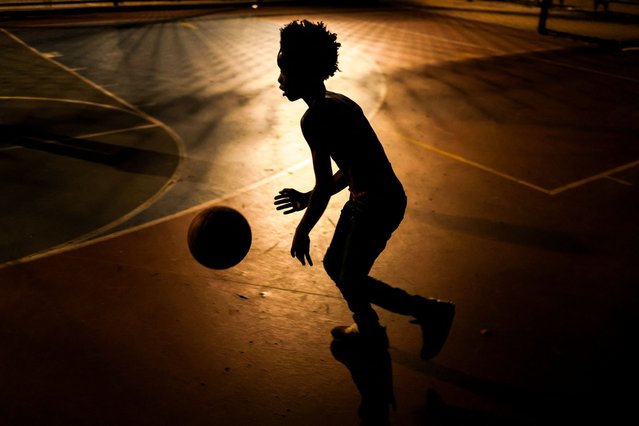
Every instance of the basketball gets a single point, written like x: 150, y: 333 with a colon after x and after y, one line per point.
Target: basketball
x: 219, y: 237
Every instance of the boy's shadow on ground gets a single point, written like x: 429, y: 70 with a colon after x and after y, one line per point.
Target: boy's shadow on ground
x: 371, y: 371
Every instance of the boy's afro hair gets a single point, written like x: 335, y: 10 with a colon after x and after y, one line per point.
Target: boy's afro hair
x: 309, y: 48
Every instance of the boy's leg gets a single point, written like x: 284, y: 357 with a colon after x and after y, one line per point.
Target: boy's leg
x: 348, y: 261
x: 356, y: 244
x: 433, y: 315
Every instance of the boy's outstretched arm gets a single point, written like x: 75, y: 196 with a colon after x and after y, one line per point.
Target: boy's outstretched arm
x: 318, y: 201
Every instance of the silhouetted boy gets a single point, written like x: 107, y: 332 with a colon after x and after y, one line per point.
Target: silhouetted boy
x: 335, y: 128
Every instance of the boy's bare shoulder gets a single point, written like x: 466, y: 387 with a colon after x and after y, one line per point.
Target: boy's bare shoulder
x: 338, y: 100
x: 333, y: 108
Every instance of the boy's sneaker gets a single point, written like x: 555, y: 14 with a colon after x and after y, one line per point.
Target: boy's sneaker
x: 435, y: 318
x: 376, y: 336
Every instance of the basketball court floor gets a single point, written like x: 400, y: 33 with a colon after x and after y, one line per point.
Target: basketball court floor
x: 519, y: 154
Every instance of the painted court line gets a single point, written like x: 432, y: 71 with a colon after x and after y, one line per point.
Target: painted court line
x: 606, y: 174
x: 70, y: 101
x: 86, y: 136
x: 125, y: 106
x: 555, y: 191
x: 621, y: 181
x: 476, y: 165
x: 87, y: 239
x: 79, y: 102
x: 113, y: 132
x: 93, y: 135
x: 598, y: 176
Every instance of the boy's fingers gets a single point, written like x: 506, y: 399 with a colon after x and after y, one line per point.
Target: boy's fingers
x: 285, y: 207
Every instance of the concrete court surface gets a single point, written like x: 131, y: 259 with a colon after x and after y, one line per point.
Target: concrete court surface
x: 519, y: 154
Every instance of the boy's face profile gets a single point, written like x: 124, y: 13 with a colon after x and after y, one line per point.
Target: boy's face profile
x: 293, y: 83
x: 288, y: 86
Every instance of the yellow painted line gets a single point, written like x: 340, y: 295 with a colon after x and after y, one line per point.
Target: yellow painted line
x: 572, y: 185
x: 598, y: 176
x: 476, y: 165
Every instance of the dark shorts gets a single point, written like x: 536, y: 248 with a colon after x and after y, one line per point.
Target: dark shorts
x: 365, y: 225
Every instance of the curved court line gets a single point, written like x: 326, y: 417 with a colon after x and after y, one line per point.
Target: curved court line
x: 178, y: 140
x: 96, y: 104
x: 99, y: 134
x: 79, y: 243
x: 144, y: 205
x: 115, y: 132
x: 70, y: 101
x: 172, y: 134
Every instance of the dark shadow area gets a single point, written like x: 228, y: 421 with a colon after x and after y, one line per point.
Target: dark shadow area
x: 517, y: 234
x: 437, y: 412
x: 605, y: 399
x: 518, y: 398
x: 371, y: 370
x: 128, y: 159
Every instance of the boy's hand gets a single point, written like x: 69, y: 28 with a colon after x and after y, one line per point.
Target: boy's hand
x: 291, y: 200
x: 301, y: 248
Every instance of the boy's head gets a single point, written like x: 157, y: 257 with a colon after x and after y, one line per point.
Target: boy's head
x: 308, y: 52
